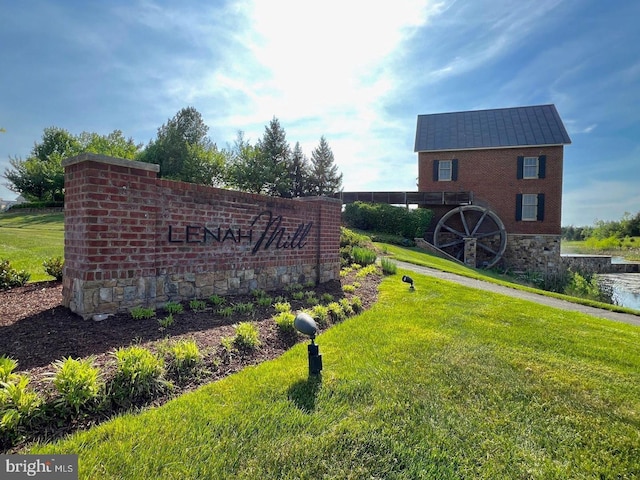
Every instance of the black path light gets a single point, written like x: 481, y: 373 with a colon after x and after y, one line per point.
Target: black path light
x: 306, y: 325
x: 409, y: 280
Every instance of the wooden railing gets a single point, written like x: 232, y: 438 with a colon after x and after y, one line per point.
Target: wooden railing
x: 408, y: 198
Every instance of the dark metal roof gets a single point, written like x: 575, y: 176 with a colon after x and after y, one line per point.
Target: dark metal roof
x: 498, y: 128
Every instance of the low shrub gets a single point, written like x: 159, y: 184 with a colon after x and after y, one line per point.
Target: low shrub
x: 77, y: 381
x: 245, y: 308
x: 320, y: 314
x: 284, y: 321
x: 18, y: 405
x: 142, y: 313
x: 10, y: 277
x: 174, y: 307
x: 356, y: 304
x: 54, y: 266
x: 388, y: 267
x: 139, y: 375
x: 198, y: 305
x: 216, y: 300
x: 336, y: 312
x: 282, y: 307
x: 184, y: 357
x: 167, y: 321
x: 346, y: 307
x: 7, y: 366
x: 348, y: 288
x: 364, y: 256
x: 247, y: 336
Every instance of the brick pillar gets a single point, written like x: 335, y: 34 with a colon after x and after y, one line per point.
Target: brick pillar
x: 328, y: 246
x: 110, y: 218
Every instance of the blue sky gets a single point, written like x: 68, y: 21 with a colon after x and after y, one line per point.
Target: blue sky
x: 357, y: 72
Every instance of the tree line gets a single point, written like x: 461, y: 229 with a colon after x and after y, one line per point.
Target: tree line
x: 184, y: 151
x: 627, y: 226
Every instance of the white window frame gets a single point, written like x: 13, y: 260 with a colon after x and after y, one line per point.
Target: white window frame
x: 529, y: 207
x: 532, y: 170
x: 445, y: 174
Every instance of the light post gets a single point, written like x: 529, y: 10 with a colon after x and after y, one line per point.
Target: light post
x: 306, y: 325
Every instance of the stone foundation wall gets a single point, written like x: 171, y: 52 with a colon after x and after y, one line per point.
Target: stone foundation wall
x: 132, y: 239
x: 533, y: 253
x: 597, y: 264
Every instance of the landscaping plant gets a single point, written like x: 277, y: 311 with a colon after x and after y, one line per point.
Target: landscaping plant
x: 77, y: 382
x: 139, y: 375
x: 247, y: 336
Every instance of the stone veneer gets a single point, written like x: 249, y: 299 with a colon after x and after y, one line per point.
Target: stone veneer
x: 132, y: 239
x: 533, y: 253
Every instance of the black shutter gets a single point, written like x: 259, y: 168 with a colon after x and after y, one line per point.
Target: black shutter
x: 520, y: 168
x: 435, y: 170
x: 542, y: 166
x: 454, y: 169
x: 540, y: 216
x: 518, y: 207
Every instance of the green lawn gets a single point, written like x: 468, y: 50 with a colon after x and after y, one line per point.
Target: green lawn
x: 27, y: 240
x: 442, y: 382
x: 419, y: 257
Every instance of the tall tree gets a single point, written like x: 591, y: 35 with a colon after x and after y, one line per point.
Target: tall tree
x: 184, y: 151
x: 245, y: 169
x: 324, y: 178
x: 276, y: 157
x: 299, y: 173
x: 41, y: 176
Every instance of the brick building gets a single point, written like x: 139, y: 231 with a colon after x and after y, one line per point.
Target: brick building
x: 509, y: 163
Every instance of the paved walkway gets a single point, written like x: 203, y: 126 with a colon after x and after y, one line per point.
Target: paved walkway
x: 550, y: 301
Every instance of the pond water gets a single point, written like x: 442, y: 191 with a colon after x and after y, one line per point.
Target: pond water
x: 624, y: 286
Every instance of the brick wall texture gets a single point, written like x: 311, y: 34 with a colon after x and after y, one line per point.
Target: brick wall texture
x: 132, y: 239
x: 492, y: 177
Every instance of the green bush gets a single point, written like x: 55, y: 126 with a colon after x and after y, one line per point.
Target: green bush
x: 320, y: 314
x: 282, y: 307
x: 18, y: 404
x: 174, y: 307
x: 216, y: 300
x: 138, y: 375
x: 184, y: 356
x: 336, y: 312
x: 141, y: 313
x: 388, y: 267
x: 167, y: 321
x: 356, y: 304
x: 284, y: 321
x: 247, y: 336
x: 7, y: 366
x: 197, y: 305
x: 10, y: 277
x: 381, y: 217
x: 363, y: 256
x: 77, y: 381
x: 54, y: 266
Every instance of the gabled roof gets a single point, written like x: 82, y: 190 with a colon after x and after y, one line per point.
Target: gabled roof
x: 498, y: 128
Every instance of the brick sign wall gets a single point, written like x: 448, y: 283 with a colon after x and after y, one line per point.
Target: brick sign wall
x: 133, y: 239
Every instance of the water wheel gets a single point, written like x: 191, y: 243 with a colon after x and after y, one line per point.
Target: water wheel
x: 472, y: 222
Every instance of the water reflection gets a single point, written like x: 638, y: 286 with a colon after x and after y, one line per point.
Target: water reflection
x: 624, y: 287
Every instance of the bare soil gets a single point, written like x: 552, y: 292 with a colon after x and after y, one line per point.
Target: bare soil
x: 36, y: 330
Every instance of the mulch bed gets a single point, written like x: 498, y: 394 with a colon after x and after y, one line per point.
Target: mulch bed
x: 36, y: 330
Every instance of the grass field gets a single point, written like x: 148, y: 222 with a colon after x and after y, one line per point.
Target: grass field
x: 27, y: 240
x: 443, y: 382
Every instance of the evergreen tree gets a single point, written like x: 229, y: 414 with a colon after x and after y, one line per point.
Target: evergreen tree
x: 299, y: 173
x: 324, y: 178
x: 276, y: 159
